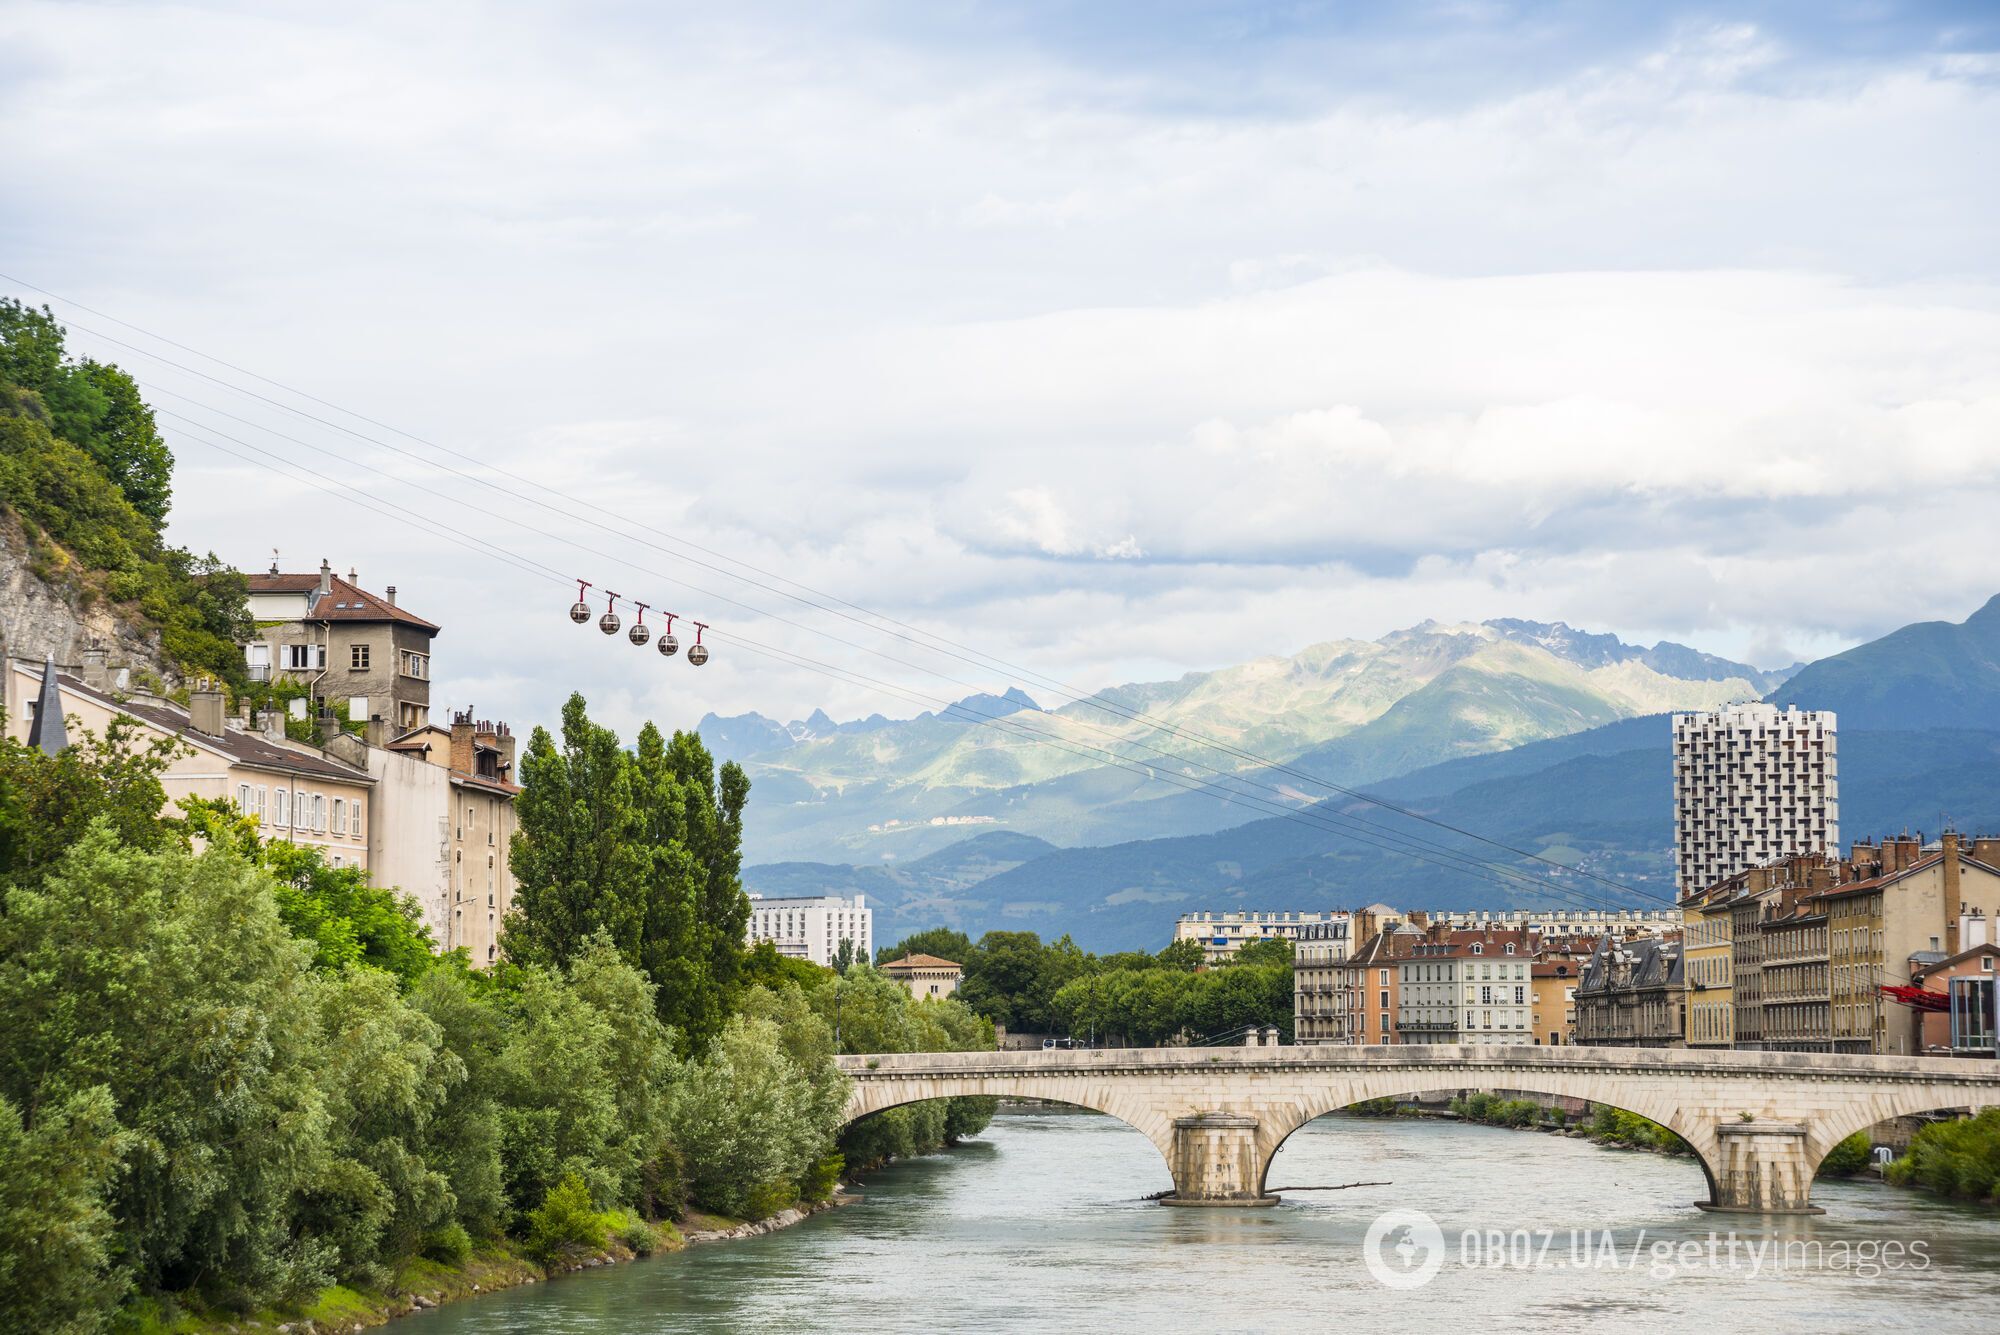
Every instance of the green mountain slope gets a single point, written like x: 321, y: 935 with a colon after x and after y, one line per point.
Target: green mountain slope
x: 1933, y: 674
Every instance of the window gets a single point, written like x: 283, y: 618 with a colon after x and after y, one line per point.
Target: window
x: 281, y: 808
x: 243, y: 797
x: 339, y: 825
x: 263, y: 804
x: 416, y: 665
x: 319, y: 813
x: 305, y: 657
x: 354, y: 818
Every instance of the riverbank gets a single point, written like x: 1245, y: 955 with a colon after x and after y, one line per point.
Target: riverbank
x: 422, y: 1284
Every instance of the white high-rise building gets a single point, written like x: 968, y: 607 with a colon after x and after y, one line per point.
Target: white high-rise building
x: 1752, y: 783
x: 812, y: 927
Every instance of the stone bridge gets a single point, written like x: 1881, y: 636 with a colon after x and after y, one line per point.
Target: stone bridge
x: 1760, y: 1122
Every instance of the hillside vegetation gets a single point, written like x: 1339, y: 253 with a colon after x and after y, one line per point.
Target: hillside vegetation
x: 85, y: 487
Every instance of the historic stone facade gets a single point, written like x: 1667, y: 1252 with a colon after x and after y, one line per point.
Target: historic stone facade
x: 1759, y: 1122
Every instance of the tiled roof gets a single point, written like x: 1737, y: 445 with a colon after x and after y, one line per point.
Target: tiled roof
x: 245, y: 748
x: 920, y: 962
x: 344, y: 602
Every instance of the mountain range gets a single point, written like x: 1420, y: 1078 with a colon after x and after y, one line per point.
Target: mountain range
x: 1919, y: 747
x: 1142, y: 760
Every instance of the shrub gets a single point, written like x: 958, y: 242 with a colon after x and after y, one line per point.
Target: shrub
x: 819, y: 1181
x: 565, y: 1223
x: 636, y: 1236
x: 1960, y: 1158
x: 761, y: 1202
x: 1849, y: 1157
x: 449, y: 1245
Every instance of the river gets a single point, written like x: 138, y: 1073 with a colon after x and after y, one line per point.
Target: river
x: 1041, y: 1225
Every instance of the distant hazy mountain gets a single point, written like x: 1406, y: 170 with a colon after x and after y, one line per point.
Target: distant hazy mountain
x: 1929, y: 675
x: 1600, y: 800
x: 880, y: 790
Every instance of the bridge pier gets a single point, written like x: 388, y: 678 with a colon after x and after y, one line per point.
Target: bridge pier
x: 1216, y: 1161
x: 1762, y: 1167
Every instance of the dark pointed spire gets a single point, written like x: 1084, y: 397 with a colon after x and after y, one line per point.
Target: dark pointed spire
x: 46, y: 734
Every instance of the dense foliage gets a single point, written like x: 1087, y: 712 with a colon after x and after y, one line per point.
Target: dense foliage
x: 1028, y: 986
x: 85, y: 475
x: 1955, y: 1158
x: 644, y: 845
x: 234, y: 1075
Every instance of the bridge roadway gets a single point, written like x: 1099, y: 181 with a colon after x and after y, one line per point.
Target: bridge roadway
x: 1760, y: 1122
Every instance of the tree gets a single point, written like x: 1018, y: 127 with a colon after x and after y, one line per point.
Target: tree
x: 748, y: 1120
x: 48, y: 802
x: 947, y: 943
x: 1185, y: 954
x: 843, y: 958
x: 579, y: 863
x: 1273, y: 952
x: 56, y: 1227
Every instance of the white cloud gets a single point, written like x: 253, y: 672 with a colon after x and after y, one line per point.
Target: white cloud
x: 1700, y: 342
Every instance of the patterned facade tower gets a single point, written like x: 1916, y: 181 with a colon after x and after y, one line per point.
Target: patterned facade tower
x: 1752, y: 784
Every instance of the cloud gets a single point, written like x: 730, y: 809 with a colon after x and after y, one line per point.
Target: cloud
x: 1116, y: 357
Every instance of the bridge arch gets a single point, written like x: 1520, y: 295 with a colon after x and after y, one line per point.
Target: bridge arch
x: 1284, y: 1121
x: 1125, y: 1105
x: 1837, y: 1124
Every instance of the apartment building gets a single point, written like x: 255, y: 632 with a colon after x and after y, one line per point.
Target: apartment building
x: 296, y: 793
x: 1794, y: 972
x: 1223, y: 934
x: 1466, y: 987
x: 1351, y: 999
x: 1708, y: 946
x: 348, y: 646
x: 446, y: 826
x: 1901, y: 904
x: 811, y: 927
x: 1554, y: 979
x: 1752, y: 783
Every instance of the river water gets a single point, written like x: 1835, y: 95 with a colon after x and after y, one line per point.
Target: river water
x: 1041, y: 1224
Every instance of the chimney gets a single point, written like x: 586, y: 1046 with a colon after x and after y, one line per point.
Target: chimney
x: 271, y: 722
x: 353, y: 577
x: 1952, y: 905
x: 1986, y: 850
x: 392, y: 595
x: 205, y: 708
x: 325, y: 578
x: 506, y: 744
x: 461, y: 741
x: 377, y: 731
x: 329, y: 726
x: 97, y: 667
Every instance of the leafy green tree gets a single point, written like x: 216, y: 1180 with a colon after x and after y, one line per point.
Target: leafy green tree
x: 1186, y: 954
x: 47, y: 802
x: 1274, y: 952
x: 463, y: 1138
x: 748, y: 1120
x: 56, y: 1228
x: 947, y: 943
x: 641, y: 1069
x: 579, y: 863
x: 558, y: 1105
x: 165, y: 978
x: 386, y: 1075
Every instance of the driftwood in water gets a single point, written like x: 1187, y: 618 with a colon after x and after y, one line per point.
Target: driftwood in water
x: 1342, y: 1187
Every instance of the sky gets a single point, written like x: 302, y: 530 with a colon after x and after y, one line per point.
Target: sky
x: 1113, y: 341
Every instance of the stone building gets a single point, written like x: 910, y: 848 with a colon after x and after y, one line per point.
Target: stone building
x: 928, y: 977
x: 1633, y: 995
x: 347, y: 645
